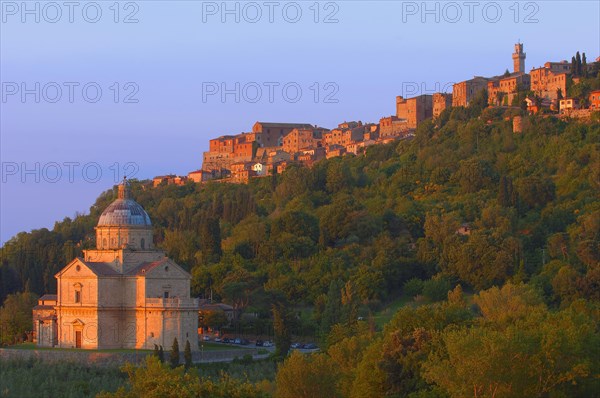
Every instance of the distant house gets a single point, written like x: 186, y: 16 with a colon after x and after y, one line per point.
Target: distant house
x: 259, y: 169
x: 335, y: 150
x: 567, y: 104
x: 200, y: 175
x: 595, y: 100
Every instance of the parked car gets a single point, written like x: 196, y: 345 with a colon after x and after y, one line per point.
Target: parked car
x: 206, y: 338
x: 267, y: 344
x: 226, y: 340
x: 237, y: 341
x: 296, y: 345
x: 244, y: 342
x: 259, y: 343
x: 310, y: 346
x: 218, y: 340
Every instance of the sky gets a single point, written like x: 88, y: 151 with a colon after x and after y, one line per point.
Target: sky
x: 91, y: 91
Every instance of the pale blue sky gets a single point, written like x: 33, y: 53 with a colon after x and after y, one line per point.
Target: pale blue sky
x: 374, y: 49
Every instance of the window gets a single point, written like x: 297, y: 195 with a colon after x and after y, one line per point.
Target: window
x: 78, y: 296
x: 166, y: 295
x: 143, y: 243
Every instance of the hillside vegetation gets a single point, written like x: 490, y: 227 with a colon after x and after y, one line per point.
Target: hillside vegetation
x: 465, y: 206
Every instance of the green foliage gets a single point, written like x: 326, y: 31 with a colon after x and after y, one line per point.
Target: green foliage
x: 465, y: 202
x: 436, y: 289
x: 16, y: 317
x: 36, y: 378
x: 307, y: 376
x: 174, y: 355
x: 557, y: 351
x: 281, y: 328
x: 413, y: 287
x: 187, y: 354
x: 154, y: 380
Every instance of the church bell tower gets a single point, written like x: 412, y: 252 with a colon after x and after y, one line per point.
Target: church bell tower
x: 518, y: 59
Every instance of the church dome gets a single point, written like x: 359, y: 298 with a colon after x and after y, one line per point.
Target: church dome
x: 124, y: 211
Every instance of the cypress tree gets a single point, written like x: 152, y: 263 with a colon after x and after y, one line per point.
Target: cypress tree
x: 156, y: 352
x: 584, y: 65
x: 161, y: 354
x: 187, y: 354
x: 174, y: 357
x: 578, y: 60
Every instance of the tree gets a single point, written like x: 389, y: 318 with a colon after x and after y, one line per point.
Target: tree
x: 187, y: 354
x: 213, y: 319
x: 156, y: 380
x: 506, y: 195
x: 281, y: 328
x: 573, y: 67
x: 584, y: 65
x: 210, y: 240
x: 16, y: 317
x: 156, y: 352
x: 174, y: 356
x: 307, y: 376
x: 578, y: 61
x: 161, y: 354
x: 332, y: 312
x: 544, y: 354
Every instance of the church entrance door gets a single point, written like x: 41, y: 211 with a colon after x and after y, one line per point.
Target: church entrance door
x: 78, y: 339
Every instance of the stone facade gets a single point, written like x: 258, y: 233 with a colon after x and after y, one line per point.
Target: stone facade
x: 271, y: 134
x: 301, y: 138
x: 501, y: 92
x: 464, y: 92
x: 392, y: 126
x: 441, y: 101
x: 124, y: 295
x: 595, y: 100
x: 547, y: 84
x: 414, y: 110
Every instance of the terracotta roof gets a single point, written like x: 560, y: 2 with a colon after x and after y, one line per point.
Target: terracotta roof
x: 145, y: 267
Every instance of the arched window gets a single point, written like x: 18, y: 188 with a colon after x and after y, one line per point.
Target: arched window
x: 104, y: 243
x: 113, y: 242
x: 143, y: 243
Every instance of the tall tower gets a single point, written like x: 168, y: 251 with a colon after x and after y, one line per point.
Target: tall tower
x: 519, y: 58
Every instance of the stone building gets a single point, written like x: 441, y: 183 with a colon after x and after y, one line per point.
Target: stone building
x: 45, y: 329
x: 125, y: 293
x: 548, y: 84
x: 502, y: 91
x: 271, y: 134
x: 392, y: 126
x: 228, y: 149
x: 441, y: 101
x: 595, y: 100
x: 301, y: 138
x: 414, y: 110
x: 464, y: 92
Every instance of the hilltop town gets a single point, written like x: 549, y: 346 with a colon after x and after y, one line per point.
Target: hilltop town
x: 271, y: 147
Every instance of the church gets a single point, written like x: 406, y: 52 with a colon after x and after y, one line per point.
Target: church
x: 123, y: 294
